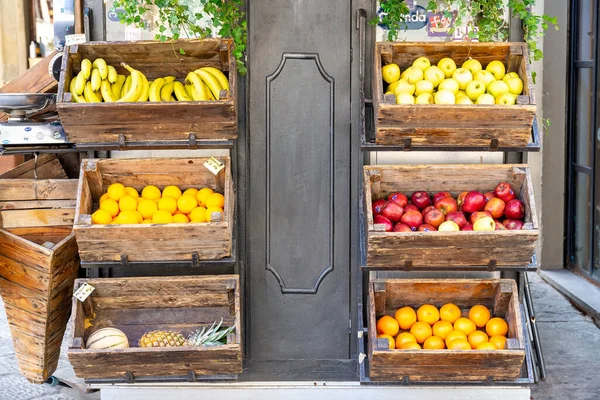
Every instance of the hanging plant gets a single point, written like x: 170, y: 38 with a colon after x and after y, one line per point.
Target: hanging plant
x: 189, y: 18
x: 393, y: 16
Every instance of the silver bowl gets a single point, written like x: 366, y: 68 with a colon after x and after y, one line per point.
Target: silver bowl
x: 26, y: 102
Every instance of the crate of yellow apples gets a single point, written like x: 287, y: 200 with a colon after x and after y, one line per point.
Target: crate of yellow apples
x: 168, y: 209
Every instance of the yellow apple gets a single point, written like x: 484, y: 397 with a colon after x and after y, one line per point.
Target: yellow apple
x: 388, y: 92
x: 390, y: 73
x: 497, y: 69
x: 448, y: 66
x: 444, y: 96
x: 472, y: 65
x: 449, y: 226
x: 475, y: 89
x: 404, y: 87
x: 412, y: 74
x: 392, y: 86
x: 515, y: 85
x: 497, y: 88
x: 464, y: 100
x: 405, y: 98
x: 434, y: 75
x: 510, y: 75
x: 423, y: 87
x: 422, y: 62
x: 450, y: 84
x: 506, y: 99
x: 484, y: 224
x: 424, y: 98
x: 485, y: 98
x: 484, y: 76
x: 463, y: 76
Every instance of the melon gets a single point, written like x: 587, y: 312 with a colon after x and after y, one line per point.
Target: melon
x: 107, y: 339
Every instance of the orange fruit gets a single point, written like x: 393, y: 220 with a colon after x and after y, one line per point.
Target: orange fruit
x: 101, y: 217
x: 486, y: 346
x: 476, y: 338
x: 202, y: 195
x: 128, y: 217
x: 211, y: 210
x: 391, y: 341
x: 449, y: 312
x: 180, y: 219
x: 111, y: 206
x: 465, y: 325
x: 406, y: 317
x: 128, y: 203
x: 215, y: 200
x: 388, y: 326
x: 162, y: 217
x: 132, y: 192
x: 453, y: 336
x: 499, y: 341
x: 496, y: 326
x: 480, y: 315
x: 147, y: 208
x: 139, y: 216
x: 167, y: 203
x: 116, y: 191
x: 410, y: 346
x: 191, y: 192
x: 442, y: 329
x: 187, y: 203
x: 171, y: 191
x: 404, y: 337
x: 147, y: 221
x: 459, y: 344
x: 198, y: 214
x: 151, y: 192
x: 421, y: 330
x: 434, y: 343
x: 428, y: 313
x: 103, y: 197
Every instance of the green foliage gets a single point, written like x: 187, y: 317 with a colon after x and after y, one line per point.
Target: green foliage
x: 188, y: 18
x: 394, y: 10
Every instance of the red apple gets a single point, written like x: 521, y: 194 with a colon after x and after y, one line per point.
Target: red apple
x: 488, y: 195
x: 461, y: 198
x: 427, y: 209
x: 474, y: 201
x: 421, y: 200
x: 440, y: 195
x: 400, y: 227
x: 433, y: 217
x: 479, y: 214
x: 411, y: 207
x: 499, y: 226
x: 398, y: 198
x: 495, y: 207
x: 514, y: 209
x: 447, y: 205
x: 504, y: 192
x: 506, y: 221
x: 427, y: 228
x: 378, y: 206
x: 392, y: 211
x: 458, y: 217
x: 467, y: 227
x: 514, y: 225
x: 413, y: 219
x: 380, y: 219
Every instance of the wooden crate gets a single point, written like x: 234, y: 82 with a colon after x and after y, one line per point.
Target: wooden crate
x: 499, y: 295
x: 152, y: 242
x: 38, y: 261
x: 148, y: 122
x: 396, y: 250
x: 139, y: 305
x: 453, y: 125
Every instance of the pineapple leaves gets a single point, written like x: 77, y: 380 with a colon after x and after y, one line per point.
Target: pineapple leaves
x: 212, y: 336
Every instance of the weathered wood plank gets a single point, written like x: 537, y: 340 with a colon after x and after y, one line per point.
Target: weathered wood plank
x: 27, y: 189
x: 37, y: 217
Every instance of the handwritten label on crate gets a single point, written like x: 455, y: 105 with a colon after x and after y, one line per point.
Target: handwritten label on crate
x: 75, y: 39
x: 214, y: 165
x: 83, y: 292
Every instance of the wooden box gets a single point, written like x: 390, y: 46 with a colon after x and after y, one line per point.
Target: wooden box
x: 38, y: 261
x: 152, y: 242
x: 453, y: 125
x: 139, y: 305
x: 148, y: 122
x: 499, y: 295
x: 441, y: 250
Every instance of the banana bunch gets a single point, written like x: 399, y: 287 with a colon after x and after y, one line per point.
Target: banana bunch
x: 97, y: 82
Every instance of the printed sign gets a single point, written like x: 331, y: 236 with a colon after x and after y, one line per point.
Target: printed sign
x: 416, y: 19
x: 74, y: 39
x: 83, y: 292
x: 214, y: 165
x: 439, y: 24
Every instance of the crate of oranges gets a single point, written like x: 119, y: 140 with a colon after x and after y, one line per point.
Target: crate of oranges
x: 445, y: 330
x: 160, y: 209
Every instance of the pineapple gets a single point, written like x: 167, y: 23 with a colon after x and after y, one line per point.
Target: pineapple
x: 162, y: 339
x: 209, y: 337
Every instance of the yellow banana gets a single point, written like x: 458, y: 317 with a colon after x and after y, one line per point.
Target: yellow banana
x: 106, y: 91
x: 155, y: 89
x: 198, y: 93
x: 210, y: 81
x: 112, y: 74
x: 86, y: 68
x: 75, y: 97
x: 180, y: 92
x: 100, y: 64
x: 169, y: 78
x: 95, y: 79
x: 117, y: 86
x: 79, y: 82
x: 189, y: 89
x: 98, y: 94
x: 89, y: 94
x: 219, y: 75
x: 137, y: 84
x: 126, y: 86
x: 166, y: 91
x: 209, y: 94
x: 172, y: 98
x: 145, y: 88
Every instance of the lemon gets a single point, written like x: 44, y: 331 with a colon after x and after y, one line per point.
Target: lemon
x: 191, y: 192
x: 210, y: 210
x: 132, y: 192
x: 151, y: 192
x: 186, y: 204
x: 168, y: 203
x: 202, y: 195
x: 139, y: 200
x: 147, y: 208
x: 147, y: 221
x: 139, y: 216
x: 128, y: 217
x: 111, y: 206
x: 101, y: 217
x: 116, y: 191
x: 215, y: 200
x: 180, y: 219
x: 198, y: 214
x: 171, y: 191
x: 162, y: 217
x: 103, y: 197
x: 128, y: 203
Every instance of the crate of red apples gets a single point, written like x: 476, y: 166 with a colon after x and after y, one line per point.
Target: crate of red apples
x: 423, y: 216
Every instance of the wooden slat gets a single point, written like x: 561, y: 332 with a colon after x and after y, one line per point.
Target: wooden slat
x: 37, y: 204
x: 27, y: 189
x: 40, y: 217
x: 42, y: 234
x: 25, y: 170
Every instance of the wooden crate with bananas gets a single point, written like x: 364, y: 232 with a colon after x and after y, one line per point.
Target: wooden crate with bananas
x: 415, y: 112
x: 148, y: 92
x: 129, y: 329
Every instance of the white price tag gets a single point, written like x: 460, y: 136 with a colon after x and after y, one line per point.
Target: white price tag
x: 77, y: 38
x: 214, y: 165
x: 83, y: 292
